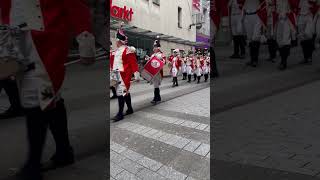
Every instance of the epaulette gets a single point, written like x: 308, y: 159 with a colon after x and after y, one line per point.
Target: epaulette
x: 131, y: 49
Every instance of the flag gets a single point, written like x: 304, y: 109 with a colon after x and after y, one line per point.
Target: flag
x: 196, y: 4
x: 262, y: 12
x: 152, y: 68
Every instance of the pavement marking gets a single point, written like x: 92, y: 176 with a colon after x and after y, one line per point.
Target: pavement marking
x: 142, y: 168
x: 193, y: 146
x: 176, y: 121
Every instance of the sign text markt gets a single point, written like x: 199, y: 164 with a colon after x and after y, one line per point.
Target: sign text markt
x: 123, y: 13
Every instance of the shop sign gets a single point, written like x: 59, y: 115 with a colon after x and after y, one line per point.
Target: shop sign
x: 124, y: 13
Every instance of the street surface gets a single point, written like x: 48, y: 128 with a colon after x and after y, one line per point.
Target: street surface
x: 168, y: 141
x: 85, y: 93
x: 266, y: 122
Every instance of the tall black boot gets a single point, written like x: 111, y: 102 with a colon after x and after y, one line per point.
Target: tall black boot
x: 236, y: 46
x: 58, y: 124
x: 121, y: 102
x: 199, y: 79
x: 194, y: 77
x: 11, y: 90
x: 37, y: 125
x: 242, y: 45
x: 205, y: 77
x: 189, y: 78
x: 173, y: 82
x: 127, y: 99
x: 177, y: 81
x: 158, y: 94
x: 114, y: 93
x: 154, y: 96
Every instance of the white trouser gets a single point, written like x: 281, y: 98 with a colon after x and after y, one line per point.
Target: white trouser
x: 189, y: 70
x: 174, y: 71
x: 120, y: 86
x: 305, y: 27
x: 198, y: 71
x: 156, y: 81
x: 253, y: 27
x: 237, y: 25
x: 184, y: 68
x: 205, y: 70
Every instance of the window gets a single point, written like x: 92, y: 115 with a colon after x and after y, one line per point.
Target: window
x: 157, y: 2
x: 179, y: 17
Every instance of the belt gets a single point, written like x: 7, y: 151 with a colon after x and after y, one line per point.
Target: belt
x: 250, y: 13
x: 30, y: 67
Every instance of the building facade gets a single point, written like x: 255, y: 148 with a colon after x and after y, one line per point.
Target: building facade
x: 203, y: 28
x: 144, y: 20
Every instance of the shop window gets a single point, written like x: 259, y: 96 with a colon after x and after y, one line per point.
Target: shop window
x: 179, y: 17
x: 157, y: 2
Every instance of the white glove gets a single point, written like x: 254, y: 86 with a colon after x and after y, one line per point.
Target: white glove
x: 137, y: 76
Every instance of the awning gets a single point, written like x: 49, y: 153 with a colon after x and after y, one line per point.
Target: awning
x: 115, y: 24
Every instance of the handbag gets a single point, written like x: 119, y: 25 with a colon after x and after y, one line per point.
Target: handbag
x: 11, y: 56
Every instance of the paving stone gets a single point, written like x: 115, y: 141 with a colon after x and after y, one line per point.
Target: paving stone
x: 130, y: 166
x: 125, y: 175
x: 170, y: 173
x: 117, y: 148
x: 193, y: 145
x: 202, y: 126
x: 149, y: 163
x: 115, y: 169
x: 115, y: 157
x: 203, y: 149
x: 181, y: 143
x: 131, y: 155
x: 147, y: 174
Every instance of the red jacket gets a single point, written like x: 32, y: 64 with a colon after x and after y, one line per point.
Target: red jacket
x: 130, y: 66
x: 63, y: 20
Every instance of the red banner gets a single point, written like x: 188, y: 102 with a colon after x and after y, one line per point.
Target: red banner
x: 152, y: 68
x: 196, y: 4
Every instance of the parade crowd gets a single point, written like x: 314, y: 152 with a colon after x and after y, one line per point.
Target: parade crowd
x: 123, y: 65
x: 282, y: 24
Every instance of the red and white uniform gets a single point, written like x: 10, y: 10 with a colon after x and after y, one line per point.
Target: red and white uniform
x: 285, y: 22
x: 255, y: 18
x: 190, y: 65
x: 123, y: 66
x: 156, y: 81
x: 306, y: 26
x: 198, y: 66
x: 50, y: 26
x: 236, y: 17
x: 206, y: 65
x: 184, y: 65
x: 219, y: 14
x: 175, y: 63
x: 317, y: 20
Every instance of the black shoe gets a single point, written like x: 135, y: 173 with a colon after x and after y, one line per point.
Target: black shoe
x: 26, y: 173
x: 249, y: 63
x: 128, y: 112
x: 282, y: 67
x: 271, y: 60
x: 113, y: 97
x: 59, y: 161
x: 305, y: 61
x: 254, y: 64
x: 235, y: 56
x: 118, y: 117
x: 242, y: 56
x: 11, y: 113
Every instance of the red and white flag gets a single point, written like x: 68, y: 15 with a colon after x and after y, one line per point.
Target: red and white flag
x: 262, y: 12
x: 152, y: 68
x: 196, y: 4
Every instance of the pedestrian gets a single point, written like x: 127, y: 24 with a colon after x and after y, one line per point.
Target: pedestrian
x: 175, y: 67
x: 189, y: 64
x: 45, y: 47
x: 156, y: 81
x: 306, y: 30
x: 10, y: 87
x: 254, y: 11
x: 285, y: 30
x: 123, y: 67
x: 270, y: 32
x: 237, y: 27
x: 113, y: 89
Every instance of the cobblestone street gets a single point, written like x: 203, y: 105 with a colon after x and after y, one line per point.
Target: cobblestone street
x: 168, y: 141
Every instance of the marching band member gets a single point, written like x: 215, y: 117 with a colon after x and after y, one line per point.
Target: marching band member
x: 271, y: 41
x: 46, y: 38
x: 175, y: 66
x: 254, y: 14
x: 156, y: 81
x: 184, y: 67
x: 237, y: 28
x: 306, y: 29
x: 285, y: 30
x: 113, y: 89
x: 206, y: 67
x: 123, y: 67
x: 198, y: 66
x: 189, y: 64
x: 317, y: 22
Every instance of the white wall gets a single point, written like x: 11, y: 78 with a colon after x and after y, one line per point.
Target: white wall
x: 162, y: 19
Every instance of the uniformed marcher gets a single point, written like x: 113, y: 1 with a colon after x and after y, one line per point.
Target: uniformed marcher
x: 113, y: 89
x: 254, y: 12
x: 190, y: 66
x: 44, y: 39
x: 237, y: 28
x: 156, y: 81
x: 123, y: 67
x: 206, y: 66
x: 270, y: 32
x: 306, y: 29
x: 198, y: 66
x: 285, y: 30
x: 184, y: 66
x: 175, y: 66
x: 317, y: 23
